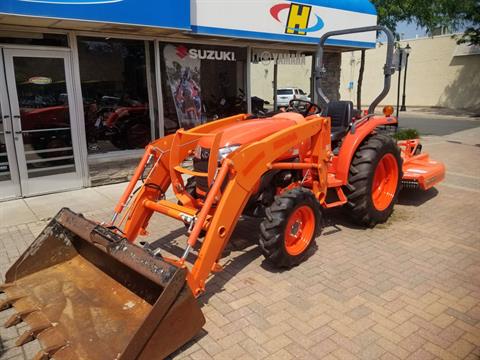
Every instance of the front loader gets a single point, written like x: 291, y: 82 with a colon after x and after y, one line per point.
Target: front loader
x: 91, y: 291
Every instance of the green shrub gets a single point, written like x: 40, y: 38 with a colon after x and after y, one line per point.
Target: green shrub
x: 407, y: 134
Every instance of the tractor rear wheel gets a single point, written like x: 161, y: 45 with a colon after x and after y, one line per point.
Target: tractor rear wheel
x: 290, y: 226
x: 374, y: 180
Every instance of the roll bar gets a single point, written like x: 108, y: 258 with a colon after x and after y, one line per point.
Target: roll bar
x: 388, y: 69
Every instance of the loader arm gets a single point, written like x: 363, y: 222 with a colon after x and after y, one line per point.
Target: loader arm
x: 247, y: 165
x: 222, y: 208
x: 158, y: 179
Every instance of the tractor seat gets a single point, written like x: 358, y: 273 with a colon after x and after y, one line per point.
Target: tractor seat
x: 340, y: 113
x: 337, y: 134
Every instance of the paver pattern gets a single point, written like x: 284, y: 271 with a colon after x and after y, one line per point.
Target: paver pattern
x: 407, y: 289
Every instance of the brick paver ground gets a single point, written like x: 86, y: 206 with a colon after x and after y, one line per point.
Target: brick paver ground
x: 408, y: 289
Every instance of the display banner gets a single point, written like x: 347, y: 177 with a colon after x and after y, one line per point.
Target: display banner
x: 183, y: 77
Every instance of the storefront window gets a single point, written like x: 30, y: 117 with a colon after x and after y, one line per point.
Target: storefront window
x: 201, y: 83
x: 28, y: 38
x: 279, y: 75
x: 115, y: 93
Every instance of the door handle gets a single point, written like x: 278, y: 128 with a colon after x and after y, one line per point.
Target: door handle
x: 16, y: 116
x: 8, y: 132
x: 18, y: 132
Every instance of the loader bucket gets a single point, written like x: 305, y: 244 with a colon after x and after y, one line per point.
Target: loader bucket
x: 87, y: 293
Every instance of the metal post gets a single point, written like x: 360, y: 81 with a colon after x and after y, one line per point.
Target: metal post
x: 158, y: 84
x: 403, y: 107
x: 313, y: 93
x: 275, y: 73
x: 248, y: 80
x: 399, y: 79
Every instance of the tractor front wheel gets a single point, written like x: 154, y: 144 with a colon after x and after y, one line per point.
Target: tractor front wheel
x: 291, y: 224
x: 374, y: 180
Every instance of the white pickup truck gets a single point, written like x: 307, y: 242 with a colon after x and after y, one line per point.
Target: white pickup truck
x: 285, y: 94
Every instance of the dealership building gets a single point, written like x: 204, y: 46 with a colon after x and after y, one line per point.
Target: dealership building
x: 85, y: 85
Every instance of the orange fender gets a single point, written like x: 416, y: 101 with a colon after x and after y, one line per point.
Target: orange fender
x: 352, y: 141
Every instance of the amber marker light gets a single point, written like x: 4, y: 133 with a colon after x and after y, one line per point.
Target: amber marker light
x: 388, y: 110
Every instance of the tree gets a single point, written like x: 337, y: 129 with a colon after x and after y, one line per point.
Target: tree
x: 471, y: 12
x: 430, y: 14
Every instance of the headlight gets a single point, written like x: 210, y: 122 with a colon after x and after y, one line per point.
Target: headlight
x: 223, y: 152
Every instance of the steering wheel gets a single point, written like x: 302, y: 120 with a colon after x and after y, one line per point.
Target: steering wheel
x: 303, y: 107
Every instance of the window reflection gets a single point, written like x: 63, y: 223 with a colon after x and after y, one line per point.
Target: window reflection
x: 201, y: 83
x: 44, y: 115
x: 115, y: 94
x: 28, y: 38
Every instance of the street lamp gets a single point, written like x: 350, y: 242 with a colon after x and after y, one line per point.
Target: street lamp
x: 399, y: 69
x: 407, y: 52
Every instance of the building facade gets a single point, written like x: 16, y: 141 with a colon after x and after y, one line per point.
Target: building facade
x: 440, y: 73
x: 85, y: 85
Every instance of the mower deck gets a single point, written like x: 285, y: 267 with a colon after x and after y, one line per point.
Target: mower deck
x: 421, y: 172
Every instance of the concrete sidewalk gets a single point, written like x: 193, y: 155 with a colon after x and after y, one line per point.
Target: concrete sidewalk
x: 443, y: 112
x: 40, y: 208
x: 407, y: 289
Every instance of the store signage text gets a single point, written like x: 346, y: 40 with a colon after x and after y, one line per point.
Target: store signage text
x: 203, y: 54
x: 266, y: 57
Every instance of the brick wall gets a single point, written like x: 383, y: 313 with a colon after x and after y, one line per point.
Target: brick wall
x: 331, y: 79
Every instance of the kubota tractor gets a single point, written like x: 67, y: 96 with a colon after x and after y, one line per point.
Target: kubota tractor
x: 88, y: 291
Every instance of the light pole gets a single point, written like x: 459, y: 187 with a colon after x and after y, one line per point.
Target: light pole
x: 407, y: 52
x: 400, y: 59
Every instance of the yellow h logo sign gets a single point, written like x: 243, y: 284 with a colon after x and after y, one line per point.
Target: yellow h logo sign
x: 298, y: 19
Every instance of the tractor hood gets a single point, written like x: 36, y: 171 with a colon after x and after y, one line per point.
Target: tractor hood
x: 252, y: 130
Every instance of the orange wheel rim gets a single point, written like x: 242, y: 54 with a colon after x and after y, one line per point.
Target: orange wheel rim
x: 385, y: 182
x: 299, y: 230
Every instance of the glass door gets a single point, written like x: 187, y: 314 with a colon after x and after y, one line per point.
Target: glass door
x: 46, y: 145
x: 9, y: 180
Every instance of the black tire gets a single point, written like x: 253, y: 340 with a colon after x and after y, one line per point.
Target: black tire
x: 137, y: 135
x: 360, y: 205
x: 119, y: 142
x: 273, y: 227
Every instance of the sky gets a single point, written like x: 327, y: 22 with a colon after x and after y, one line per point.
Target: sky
x: 410, y: 31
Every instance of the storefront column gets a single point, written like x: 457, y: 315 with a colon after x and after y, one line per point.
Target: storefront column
x: 331, y: 78
x: 158, y: 83
x: 151, y: 110
x: 248, y: 80
x: 79, y: 120
x: 313, y: 91
x: 275, y: 78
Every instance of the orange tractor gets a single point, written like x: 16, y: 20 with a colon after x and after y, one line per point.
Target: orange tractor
x: 88, y: 291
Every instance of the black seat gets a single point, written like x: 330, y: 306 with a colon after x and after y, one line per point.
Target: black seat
x: 341, y: 113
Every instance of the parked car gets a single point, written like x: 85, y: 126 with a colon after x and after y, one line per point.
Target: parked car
x: 285, y: 94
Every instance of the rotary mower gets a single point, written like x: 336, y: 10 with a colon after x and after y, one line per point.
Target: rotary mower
x: 89, y: 290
